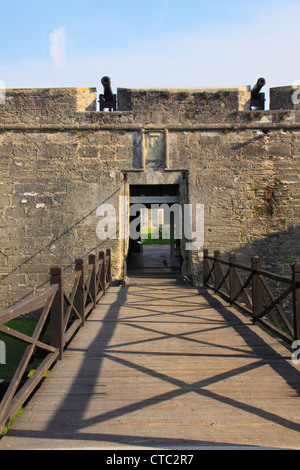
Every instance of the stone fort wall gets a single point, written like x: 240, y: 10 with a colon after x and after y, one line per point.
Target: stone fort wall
x: 60, y: 159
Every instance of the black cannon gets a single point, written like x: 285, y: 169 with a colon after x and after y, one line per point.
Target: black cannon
x: 107, y: 100
x: 258, y: 98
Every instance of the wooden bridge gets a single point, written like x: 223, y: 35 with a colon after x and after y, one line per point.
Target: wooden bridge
x: 160, y: 364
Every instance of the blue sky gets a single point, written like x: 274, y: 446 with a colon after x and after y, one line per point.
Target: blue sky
x: 157, y: 43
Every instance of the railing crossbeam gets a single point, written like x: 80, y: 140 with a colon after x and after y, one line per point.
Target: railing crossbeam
x: 262, y: 302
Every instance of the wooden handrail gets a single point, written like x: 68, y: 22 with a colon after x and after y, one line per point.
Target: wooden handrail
x: 27, y: 305
x: 65, y: 305
x: 262, y: 304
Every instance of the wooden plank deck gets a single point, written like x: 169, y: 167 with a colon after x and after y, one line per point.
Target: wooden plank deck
x: 159, y: 366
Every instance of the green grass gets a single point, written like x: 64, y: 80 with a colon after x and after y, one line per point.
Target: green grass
x: 154, y: 236
x: 16, y: 348
x: 14, y: 352
x: 155, y: 242
x: 10, y: 423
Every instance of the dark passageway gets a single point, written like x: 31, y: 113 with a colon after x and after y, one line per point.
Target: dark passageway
x: 155, y: 251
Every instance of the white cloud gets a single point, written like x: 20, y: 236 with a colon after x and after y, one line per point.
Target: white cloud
x: 57, y: 47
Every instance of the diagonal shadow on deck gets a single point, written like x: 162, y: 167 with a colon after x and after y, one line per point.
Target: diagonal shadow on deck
x: 176, y: 348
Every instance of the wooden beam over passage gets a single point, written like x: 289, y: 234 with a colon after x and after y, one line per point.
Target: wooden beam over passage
x: 154, y: 199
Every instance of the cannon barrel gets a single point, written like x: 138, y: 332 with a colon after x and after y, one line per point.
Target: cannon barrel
x: 108, y: 94
x: 257, y: 87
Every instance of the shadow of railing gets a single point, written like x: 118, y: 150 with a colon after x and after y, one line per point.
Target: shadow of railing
x: 147, y: 316
x: 65, y: 232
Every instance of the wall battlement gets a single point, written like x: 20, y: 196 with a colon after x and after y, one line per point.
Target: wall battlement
x: 43, y: 104
x: 196, y: 100
x: 79, y: 106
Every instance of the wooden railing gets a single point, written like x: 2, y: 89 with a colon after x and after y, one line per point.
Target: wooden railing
x: 63, y: 307
x: 270, y: 299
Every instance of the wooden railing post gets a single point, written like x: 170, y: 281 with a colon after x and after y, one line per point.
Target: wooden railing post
x: 205, y: 267
x: 79, y: 299
x: 256, y: 288
x: 57, y: 312
x: 217, y: 272
x: 103, y: 271
x: 92, y: 260
x: 108, y: 254
x: 233, y: 287
x: 296, y: 300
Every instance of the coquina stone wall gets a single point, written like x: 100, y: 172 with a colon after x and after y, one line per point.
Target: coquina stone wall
x: 60, y: 159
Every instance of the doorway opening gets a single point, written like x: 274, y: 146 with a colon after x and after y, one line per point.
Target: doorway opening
x: 154, y: 245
